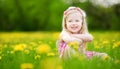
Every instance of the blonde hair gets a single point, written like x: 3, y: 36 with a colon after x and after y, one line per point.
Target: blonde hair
x: 72, y: 10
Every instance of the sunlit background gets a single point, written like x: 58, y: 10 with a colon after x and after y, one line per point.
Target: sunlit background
x: 29, y: 30
x: 46, y: 15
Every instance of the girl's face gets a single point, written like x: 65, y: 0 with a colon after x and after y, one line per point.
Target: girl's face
x: 74, y: 22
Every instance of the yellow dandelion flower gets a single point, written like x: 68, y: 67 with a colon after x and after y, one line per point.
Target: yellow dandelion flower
x: 106, y: 57
x: 27, y: 66
x: 50, y: 54
x: 19, y: 47
x: 74, y: 45
x: 105, y: 42
x: 97, y: 47
x: 43, y: 48
x: 37, y: 57
x: 116, y: 44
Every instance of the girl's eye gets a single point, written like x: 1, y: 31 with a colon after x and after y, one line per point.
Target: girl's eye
x: 70, y: 21
x: 77, y: 20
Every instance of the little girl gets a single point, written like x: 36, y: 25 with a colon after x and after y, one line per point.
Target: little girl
x: 75, y: 31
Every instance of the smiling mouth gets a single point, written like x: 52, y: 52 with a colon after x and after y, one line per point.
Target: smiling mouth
x: 74, y: 27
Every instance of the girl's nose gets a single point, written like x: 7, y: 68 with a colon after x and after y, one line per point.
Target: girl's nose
x: 74, y: 23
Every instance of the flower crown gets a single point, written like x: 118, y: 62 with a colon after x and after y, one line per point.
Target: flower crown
x: 71, y: 9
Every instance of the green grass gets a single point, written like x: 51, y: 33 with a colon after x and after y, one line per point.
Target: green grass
x: 37, y: 50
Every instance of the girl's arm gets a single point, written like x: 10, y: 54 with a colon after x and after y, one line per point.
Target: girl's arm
x: 67, y: 38
x: 85, y: 37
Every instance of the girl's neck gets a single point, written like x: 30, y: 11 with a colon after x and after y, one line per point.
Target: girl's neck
x: 75, y: 32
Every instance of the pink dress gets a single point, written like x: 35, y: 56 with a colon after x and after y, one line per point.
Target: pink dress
x: 66, y: 52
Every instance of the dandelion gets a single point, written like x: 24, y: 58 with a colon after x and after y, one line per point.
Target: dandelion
x: 105, y: 42
x: 50, y: 54
x: 43, y: 48
x: 97, y: 47
x: 27, y: 66
x: 19, y: 47
x: 116, y: 44
x: 106, y: 57
x: 75, y: 45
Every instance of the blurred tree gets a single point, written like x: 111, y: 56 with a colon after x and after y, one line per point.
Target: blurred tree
x: 102, y: 18
x: 6, y: 21
x: 56, y: 11
x: 98, y: 17
x: 30, y: 15
x: 115, y: 17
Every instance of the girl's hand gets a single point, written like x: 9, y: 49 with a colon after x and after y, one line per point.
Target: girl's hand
x: 68, y: 38
x: 84, y: 37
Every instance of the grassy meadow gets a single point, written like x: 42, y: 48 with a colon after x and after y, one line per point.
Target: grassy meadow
x: 37, y: 50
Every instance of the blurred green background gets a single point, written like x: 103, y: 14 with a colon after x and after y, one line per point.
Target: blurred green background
x: 46, y: 15
x: 43, y: 18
